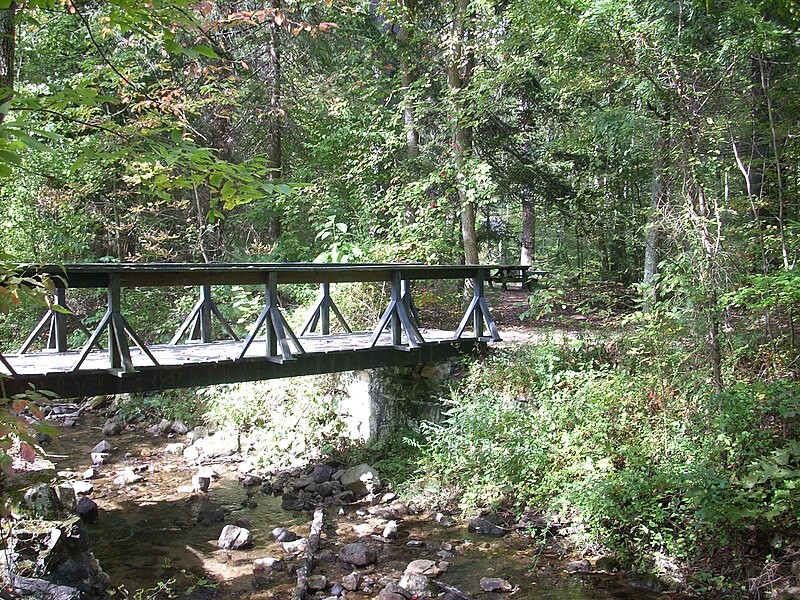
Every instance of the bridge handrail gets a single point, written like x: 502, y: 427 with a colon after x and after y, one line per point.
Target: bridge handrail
x: 95, y: 275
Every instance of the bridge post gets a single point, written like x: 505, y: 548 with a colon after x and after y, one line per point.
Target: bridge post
x: 55, y: 321
x: 478, y: 311
x: 199, y: 320
x: 321, y: 313
x: 277, y: 327
x: 397, y: 316
x: 119, y: 352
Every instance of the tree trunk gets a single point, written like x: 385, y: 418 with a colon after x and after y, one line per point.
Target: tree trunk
x: 459, y: 73
x: 528, y: 239
x: 275, y: 142
x: 7, y: 54
x: 651, y: 242
x: 408, y: 78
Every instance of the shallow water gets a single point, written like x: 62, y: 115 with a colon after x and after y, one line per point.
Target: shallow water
x: 148, y: 534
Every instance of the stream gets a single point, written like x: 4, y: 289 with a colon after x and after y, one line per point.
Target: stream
x: 157, y: 541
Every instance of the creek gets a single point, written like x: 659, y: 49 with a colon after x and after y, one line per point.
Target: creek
x: 155, y: 538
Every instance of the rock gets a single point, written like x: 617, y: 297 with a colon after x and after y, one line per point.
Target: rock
x: 234, y: 538
x: 346, y: 497
x: 485, y: 526
x: 390, y: 531
x: 82, y: 488
x: 302, y: 482
x: 424, y: 567
x: 268, y: 564
x: 243, y: 522
x: 420, y: 586
x: 495, y: 584
x: 358, y: 554
x: 251, y: 480
x: 43, y: 589
x: 281, y: 534
x: 87, y: 509
x: 127, y: 477
x: 66, y: 497
x: 175, y: 448
x: 292, y: 502
x: 180, y: 428
x: 393, y: 591
x: 112, y: 427
x: 41, y: 500
x: 415, y: 544
x: 89, y: 474
x: 191, y: 453
x: 351, y: 582
x: 444, y: 520
x: 102, y: 447
x: 578, y: 566
x: 198, y: 433
x: 222, y: 443
x: 337, y: 475
x: 337, y: 589
x: 322, y: 473
x: 317, y: 583
x: 295, y: 547
x: 160, y: 429
x: 99, y: 458
x: 361, y: 480
x: 200, y: 484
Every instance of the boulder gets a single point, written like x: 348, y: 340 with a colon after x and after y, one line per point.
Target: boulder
x: 495, y: 584
x: 317, y: 583
x: 393, y: 591
x: 112, y: 427
x: 351, y: 582
x: 180, y: 428
x: 322, y: 473
x: 420, y: 586
x: 41, y: 500
x: 198, y: 433
x: 268, y: 565
x: 424, y: 567
x: 102, y: 447
x: 87, y: 509
x: 578, y: 566
x: 281, y: 534
x: 234, y: 538
x: 390, y: 530
x: 358, y: 554
x: 485, y: 526
x: 361, y: 480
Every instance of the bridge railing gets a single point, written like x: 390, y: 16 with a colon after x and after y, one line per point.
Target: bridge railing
x: 400, y: 317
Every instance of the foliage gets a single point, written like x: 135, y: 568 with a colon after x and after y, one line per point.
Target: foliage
x: 283, y: 421
x: 645, y: 460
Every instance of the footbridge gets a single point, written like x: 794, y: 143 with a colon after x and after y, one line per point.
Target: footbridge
x: 206, y: 349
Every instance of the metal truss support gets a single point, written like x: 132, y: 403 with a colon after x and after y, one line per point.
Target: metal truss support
x: 55, y: 321
x: 198, y: 323
x: 321, y: 314
x: 398, y: 316
x: 478, y: 312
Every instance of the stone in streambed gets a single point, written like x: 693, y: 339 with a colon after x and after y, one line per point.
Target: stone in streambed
x: 361, y: 480
x: 281, y: 534
x: 87, y: 509
x: 268, y: 565
x: 358, y: 554
x: 424, y: 567
x: 484, y: 526
x: 112, y: 427
x: 495, y: 584
x: 578, y: 566
x: 234, y: 538
x: 420, y: 586
x: 393, y: 591
x: 102, y: 447
x: 317, y: 583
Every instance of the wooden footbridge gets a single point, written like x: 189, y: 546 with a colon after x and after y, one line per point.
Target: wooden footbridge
x: 115, y: 358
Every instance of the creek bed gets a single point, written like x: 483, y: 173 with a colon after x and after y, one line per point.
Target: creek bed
x: 151, y: 536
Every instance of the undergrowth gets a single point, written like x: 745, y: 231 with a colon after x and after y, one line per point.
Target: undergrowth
x: 624, y: 439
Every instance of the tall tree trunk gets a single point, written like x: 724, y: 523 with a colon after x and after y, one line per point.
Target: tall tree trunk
x: 7, y: 54
x: 459, y: 73
x: 408, y: 79
x: 652, y: 237
x: 528, y: 239
x: 275, y: 143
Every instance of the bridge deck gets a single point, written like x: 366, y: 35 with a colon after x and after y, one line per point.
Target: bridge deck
x: 116, y: 360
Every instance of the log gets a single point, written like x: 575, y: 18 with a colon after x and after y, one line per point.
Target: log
x: 307, y: 562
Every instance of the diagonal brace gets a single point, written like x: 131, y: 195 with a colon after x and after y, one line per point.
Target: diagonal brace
x: 199, y: 320
x: 399, y: 317
x: 278, y: 333
x: 321, y: 313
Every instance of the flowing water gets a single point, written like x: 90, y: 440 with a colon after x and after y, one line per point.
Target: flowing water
x: 153, y: 537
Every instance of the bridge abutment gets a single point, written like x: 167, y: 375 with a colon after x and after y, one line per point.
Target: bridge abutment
x: 378, y: 403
